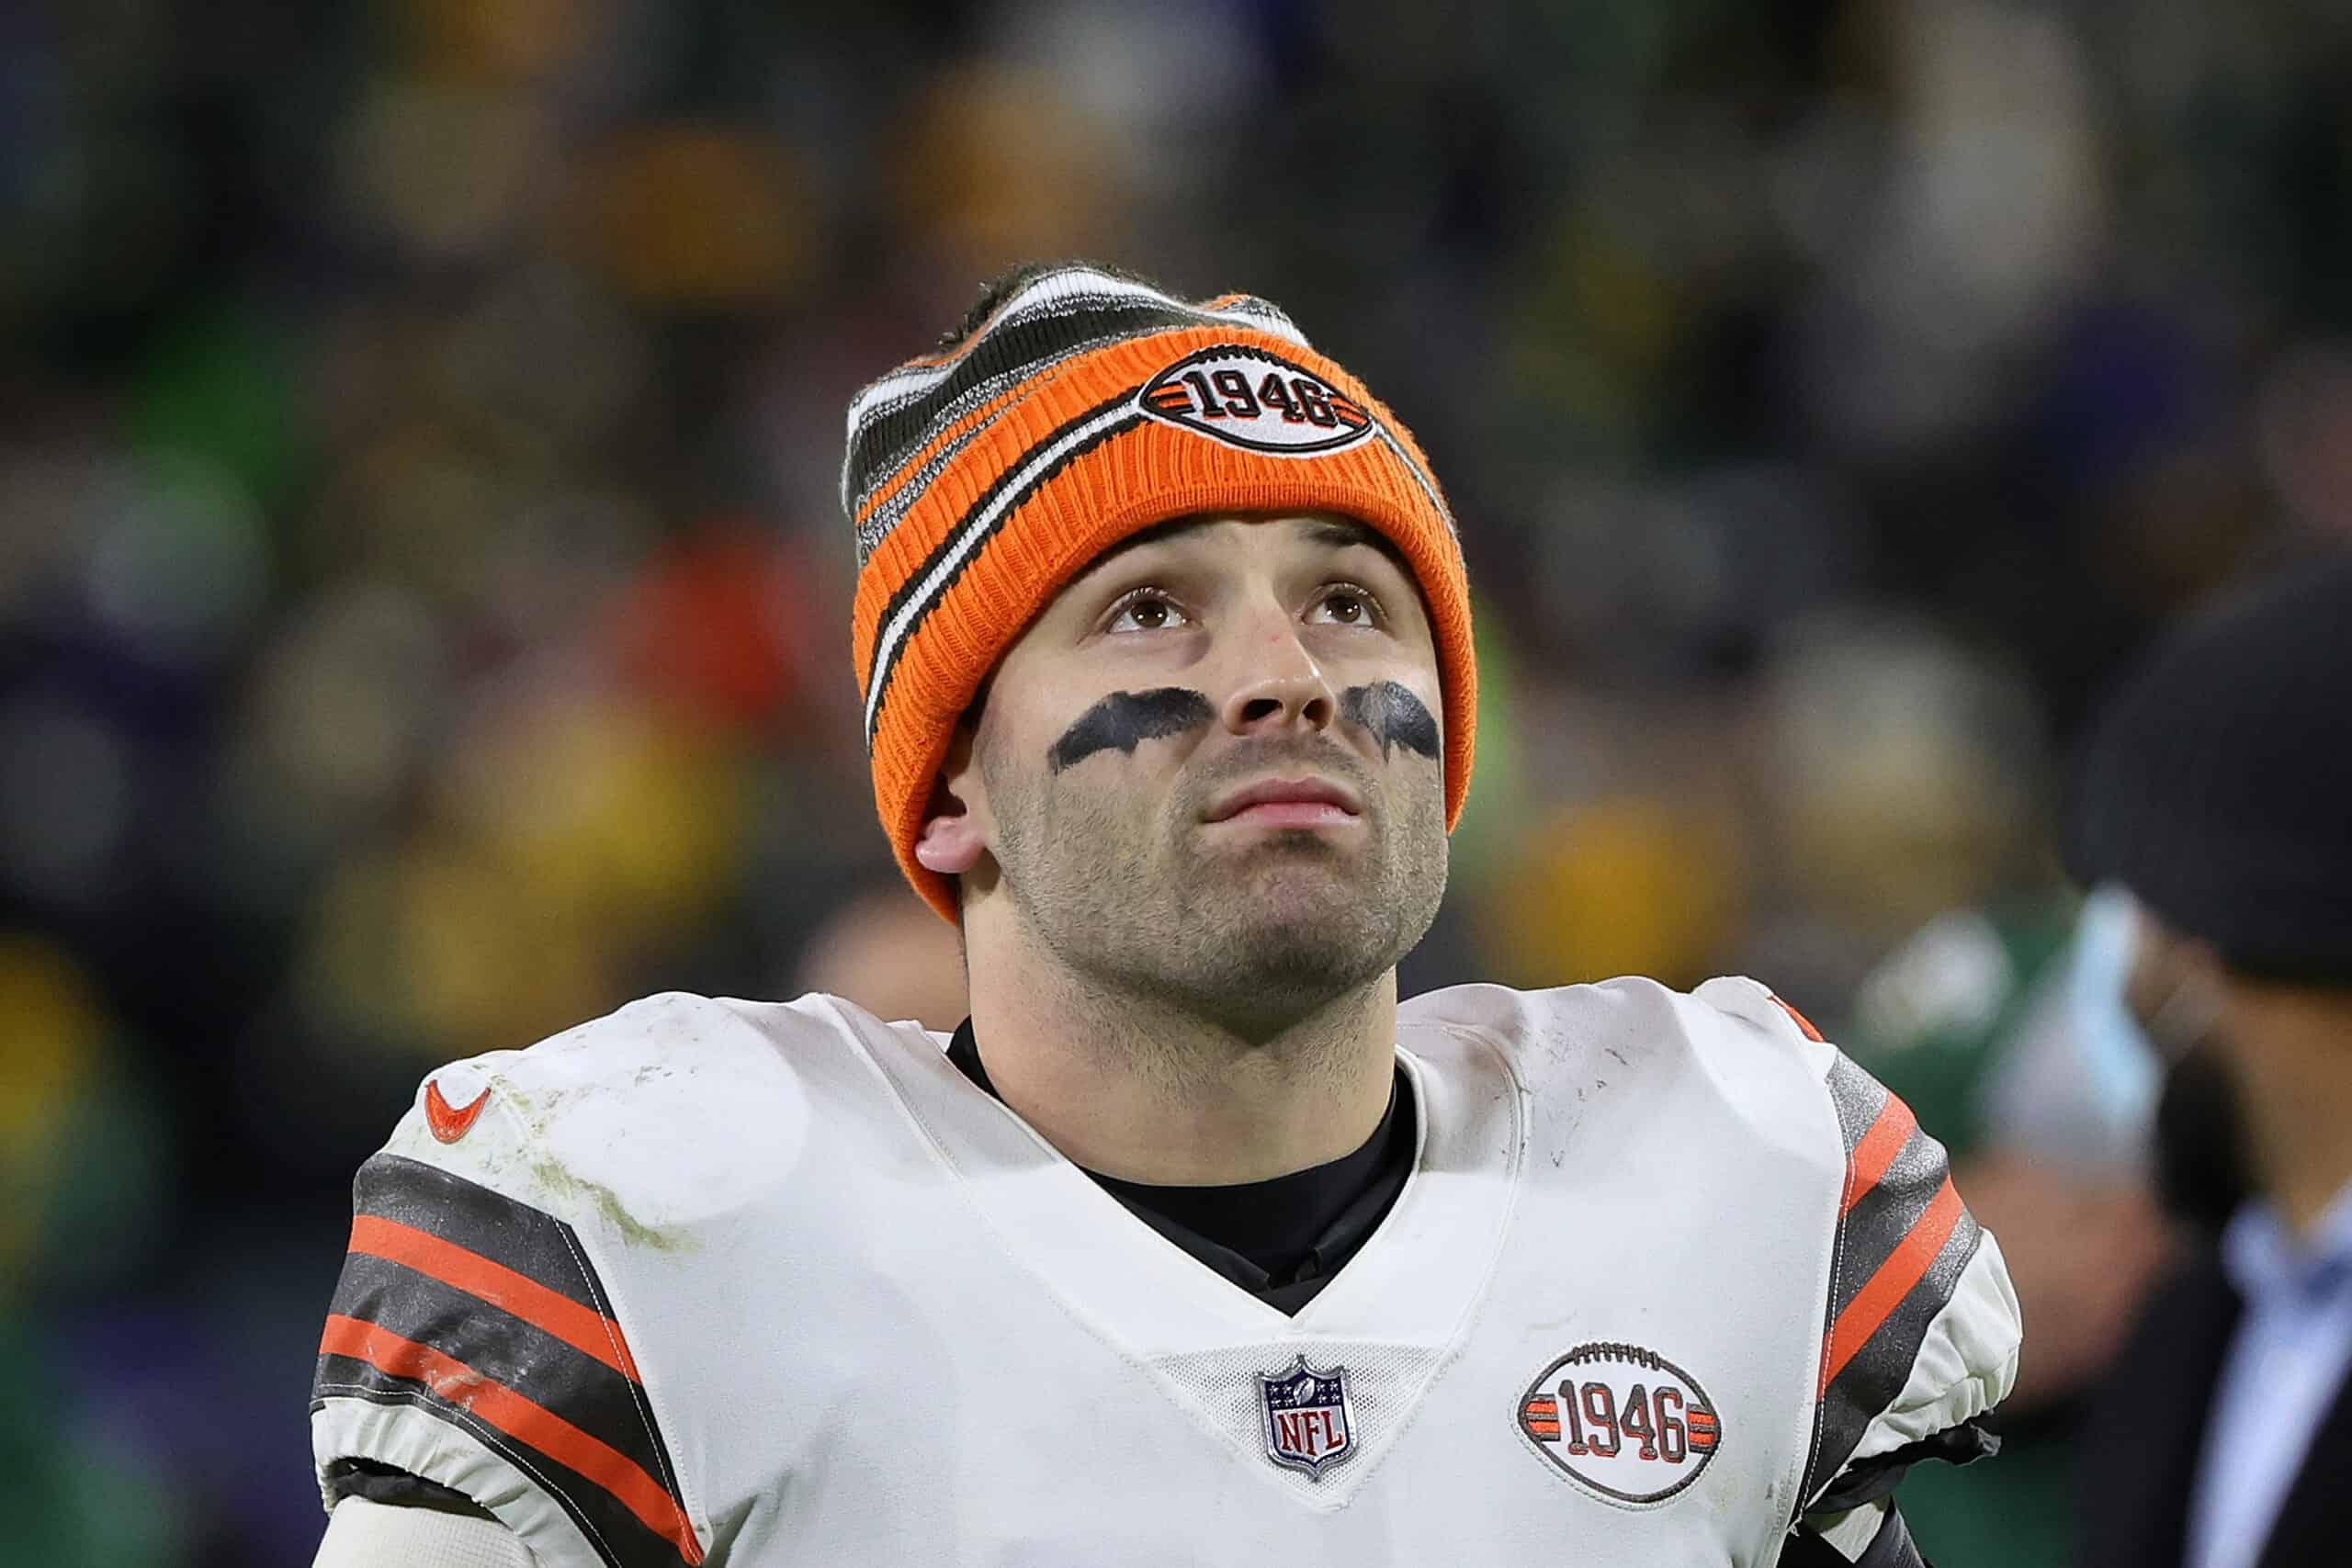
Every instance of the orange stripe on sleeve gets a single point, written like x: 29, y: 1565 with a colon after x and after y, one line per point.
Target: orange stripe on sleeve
x: 1880, y: 1144
x: 1804, y: 1024
x: 583, y: 1329
x: 1904, y: 1267
x: 523, y: 1420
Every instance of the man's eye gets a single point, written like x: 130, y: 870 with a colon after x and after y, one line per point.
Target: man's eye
x: 1145, y: 611
x: 1347, y: 606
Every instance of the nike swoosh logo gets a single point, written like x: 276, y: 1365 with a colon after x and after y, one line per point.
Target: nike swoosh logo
x: 449, y: 1123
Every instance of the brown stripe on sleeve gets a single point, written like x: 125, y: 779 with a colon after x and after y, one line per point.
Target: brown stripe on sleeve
x: 1857, y: 1099
x: 631, y: 1518
x: 494, y: 1284
x: 1877, y: 1217
x: 588, y: 1390
x: 486, y: 1312
x: 1902, y: 1239
x: 527, y: 1241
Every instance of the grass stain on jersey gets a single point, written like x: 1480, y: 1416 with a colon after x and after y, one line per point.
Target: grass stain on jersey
x: 580, y: 1192
x: 1394, y: 715
x: 1123, y: 720
x: 575, y: 1192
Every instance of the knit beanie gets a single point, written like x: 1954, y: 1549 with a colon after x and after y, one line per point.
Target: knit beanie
x: 1083, y: 408
x: 2218, y: 785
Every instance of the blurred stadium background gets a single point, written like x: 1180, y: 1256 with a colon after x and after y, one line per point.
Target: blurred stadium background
x: 423, y: 599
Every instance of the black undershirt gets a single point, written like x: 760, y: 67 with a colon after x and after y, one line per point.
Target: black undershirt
x: 1280, y: 1240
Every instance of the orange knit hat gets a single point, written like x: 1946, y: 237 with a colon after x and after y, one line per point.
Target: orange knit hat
x: 1084, y: 408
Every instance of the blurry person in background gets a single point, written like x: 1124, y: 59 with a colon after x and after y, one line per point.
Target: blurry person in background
x: 1911, y: 769
x: 2218, y: 789
x: 2002, y: 1026
x: 1191, y: 1241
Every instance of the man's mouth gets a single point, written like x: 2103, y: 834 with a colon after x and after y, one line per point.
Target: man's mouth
x: 1289, y: 802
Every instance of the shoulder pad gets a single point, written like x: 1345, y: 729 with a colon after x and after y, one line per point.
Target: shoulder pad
x: 670, y: 1111
x: 1753, y: 1002
x: 481, y: 1336
x: 1729, y: 1046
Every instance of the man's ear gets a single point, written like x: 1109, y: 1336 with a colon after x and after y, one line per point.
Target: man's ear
x: 954, y: 835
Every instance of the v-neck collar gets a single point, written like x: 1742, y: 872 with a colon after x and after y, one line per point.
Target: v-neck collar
x: 1414, y: 1281
x: 1281, y: 1239
x: 1272, y: 1220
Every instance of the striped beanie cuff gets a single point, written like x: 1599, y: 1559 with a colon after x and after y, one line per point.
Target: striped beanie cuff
x: 1085, y: 408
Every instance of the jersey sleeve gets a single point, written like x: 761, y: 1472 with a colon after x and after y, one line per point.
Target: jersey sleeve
x: 1872, y: 1536
x: 364, y: 1534
x: 472, y: 1343
x: 1920, y: 1328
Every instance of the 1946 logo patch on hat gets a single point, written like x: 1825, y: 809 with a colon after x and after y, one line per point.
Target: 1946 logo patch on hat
x: 1257, y: 400
x: 1623, y: 1420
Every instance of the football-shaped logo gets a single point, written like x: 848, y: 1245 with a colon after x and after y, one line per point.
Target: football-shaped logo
x: 1257, y: 400
x: 1623, y: 1420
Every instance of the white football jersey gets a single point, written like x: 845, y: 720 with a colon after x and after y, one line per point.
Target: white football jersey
x: 774, y: 1284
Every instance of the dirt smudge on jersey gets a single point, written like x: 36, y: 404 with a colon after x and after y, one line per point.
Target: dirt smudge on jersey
x: 572, y: 1192
x: 556, y: 1179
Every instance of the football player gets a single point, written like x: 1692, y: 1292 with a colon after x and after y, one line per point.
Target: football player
x: 1192, y: 1243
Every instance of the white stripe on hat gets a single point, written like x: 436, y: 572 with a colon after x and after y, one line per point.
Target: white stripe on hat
x: 1067, y: 288
x: 975, y: 529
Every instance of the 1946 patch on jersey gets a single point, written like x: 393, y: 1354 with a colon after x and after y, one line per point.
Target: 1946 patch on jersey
x: 1624, y: 1421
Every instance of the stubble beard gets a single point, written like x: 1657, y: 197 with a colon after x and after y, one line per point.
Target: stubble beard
x: 1253, y: 935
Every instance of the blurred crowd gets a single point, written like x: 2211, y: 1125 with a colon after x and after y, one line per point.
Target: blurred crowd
x: 424, y: 591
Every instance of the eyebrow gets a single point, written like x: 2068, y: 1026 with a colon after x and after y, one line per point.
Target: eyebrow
x: 1151, y: 535
x: 1335, y: 534
x: 1343, y: 532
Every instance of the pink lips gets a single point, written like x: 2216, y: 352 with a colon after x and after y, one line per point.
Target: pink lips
x: 1288, y: 802
x: 1291, y: 814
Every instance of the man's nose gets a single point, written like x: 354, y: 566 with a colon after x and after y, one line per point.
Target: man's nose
x: 1278, y: 688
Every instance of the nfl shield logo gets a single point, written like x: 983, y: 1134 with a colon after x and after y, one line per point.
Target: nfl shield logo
x: 1307, y: 1423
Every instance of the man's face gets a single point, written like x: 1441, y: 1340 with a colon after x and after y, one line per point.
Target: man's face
x: 1211, y: 772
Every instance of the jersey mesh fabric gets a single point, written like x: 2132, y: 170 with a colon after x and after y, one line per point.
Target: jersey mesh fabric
x: 1382, y: 1381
